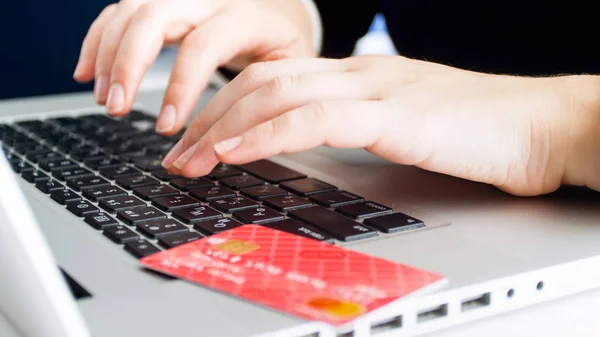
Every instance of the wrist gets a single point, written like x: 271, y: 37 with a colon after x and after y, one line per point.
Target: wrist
x: 582, y: 165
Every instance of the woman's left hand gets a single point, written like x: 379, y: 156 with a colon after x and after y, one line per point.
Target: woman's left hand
x: 513, y: 132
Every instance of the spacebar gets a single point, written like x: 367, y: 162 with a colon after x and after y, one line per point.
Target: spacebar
x: 333, y: 223
x: 270, y: 171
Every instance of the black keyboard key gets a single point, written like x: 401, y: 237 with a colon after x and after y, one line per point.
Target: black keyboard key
x: 48, y: 185
x: 200, y: 213
x: 97, y: 163
x: 13, y: 160
x: 140, y: 214
x: 295, y: 227
x: 120, y: 234
x: 87, y: 153
x: 81, y: 207
x: 120, y: 203
x: 153, y: 229
x: 242, y: 181
x: 224, y: 171
x: 31, y: 125
x: 154, y: 191
x: 172, y: 202
x: 286, y: 203
x: 37, y: 156
x: 89, y: 181
x: 262, y: 191
x: 211, y: 193
x: 131, y: 182
x: 65, y: 195
x: 271, y: 171
x: 121, y: 146
x: 66, y: 173
x: 34, y: 175
x: 21, y: 166
x: 66, y: 144
x: 308, y: 186
x: 164, y: 175
x: 230, y: 205
x: 131, y: 156
x: 161, y: 147
x: 393, y: 223
x: 140, y: 248
x: 337, y: 225
x: 150, y: 138
x: 257, y: 215
x: 100, y: 220
x: 217, y: 226
x: 101, y: 192
x: 178, y: 239
x: 115, y: 172
x: 336, y: 199
x: 57, y: 163
x: 364, y: 210
x: 148, y: 164
x: 30, y: 147
x: 186, y: 184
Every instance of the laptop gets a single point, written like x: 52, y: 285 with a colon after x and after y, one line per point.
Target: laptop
x: 84, y: 198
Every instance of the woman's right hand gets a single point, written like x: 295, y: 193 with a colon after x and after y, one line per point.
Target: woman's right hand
x: 127, y: 37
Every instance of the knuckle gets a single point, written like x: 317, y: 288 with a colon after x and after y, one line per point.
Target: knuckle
x: 147, y: 11
x: 108, y: 10
x: 129, y: 3
x: 319, y: 111
x: 256, y: 72
x: 280, y: 85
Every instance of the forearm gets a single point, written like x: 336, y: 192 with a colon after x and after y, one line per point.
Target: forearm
x: 582, y: 165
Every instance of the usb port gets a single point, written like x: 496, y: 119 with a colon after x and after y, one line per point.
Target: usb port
x: 476, y: 302
x: 385, y: 325
x: 432, y: 313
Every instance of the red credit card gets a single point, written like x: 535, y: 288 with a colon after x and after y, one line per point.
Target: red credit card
x: 300, y: 276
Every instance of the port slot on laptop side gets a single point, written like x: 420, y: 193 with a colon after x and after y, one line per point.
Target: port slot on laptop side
x: 432, y: 313
x: 386, y: 325
x: 476, y: 302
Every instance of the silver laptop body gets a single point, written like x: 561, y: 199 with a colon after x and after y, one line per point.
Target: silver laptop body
x: 500, y: 253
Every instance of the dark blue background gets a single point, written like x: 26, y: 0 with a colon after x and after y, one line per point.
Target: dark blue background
x: 40, y: 43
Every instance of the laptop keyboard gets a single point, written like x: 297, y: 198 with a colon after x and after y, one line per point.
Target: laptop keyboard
x: 108, y: 172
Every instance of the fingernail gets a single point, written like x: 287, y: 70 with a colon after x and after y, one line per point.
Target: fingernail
x: 168, y: 160
x: 166, y: 120
x: 227, y: 145
x: 185, y: 157
x: 116, y: 98
x: 101, y: 88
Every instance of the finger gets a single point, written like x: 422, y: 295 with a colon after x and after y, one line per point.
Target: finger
x: 287, y: 93
x: 339, y: 124
x: 249, y: 80
x: 154, y: 24
x: 109, y: 42
x: 211, y: 45
x: 84, y: 71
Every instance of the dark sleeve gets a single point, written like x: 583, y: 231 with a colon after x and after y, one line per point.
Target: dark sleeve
x: 344, y: 22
